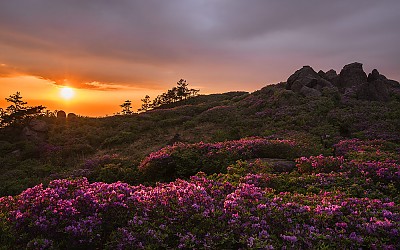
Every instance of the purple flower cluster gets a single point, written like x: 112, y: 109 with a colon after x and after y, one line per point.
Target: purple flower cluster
x: 319, y: 164
x: 200, y: 213
x: 380, y: 171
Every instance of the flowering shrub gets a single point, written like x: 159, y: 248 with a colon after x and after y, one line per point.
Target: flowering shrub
x: 319, y: 164
x: 184, y: 160
x: 379, y: 171
x: 330, y: 202
x: 372, y: 150
x: 200, y: 213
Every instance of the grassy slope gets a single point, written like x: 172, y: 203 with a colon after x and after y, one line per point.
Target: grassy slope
x: 117, y: 144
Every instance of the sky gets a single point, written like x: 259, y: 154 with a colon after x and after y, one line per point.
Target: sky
x: 111, y: 51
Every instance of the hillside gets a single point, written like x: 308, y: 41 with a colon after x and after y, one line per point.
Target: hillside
x: 288, y: 110
x: 314, y: 151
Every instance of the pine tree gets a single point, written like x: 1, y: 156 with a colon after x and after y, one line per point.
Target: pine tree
x: 126, y: 107
x: 178, y: 93
x: 146, y: 104
x: 18, y: 113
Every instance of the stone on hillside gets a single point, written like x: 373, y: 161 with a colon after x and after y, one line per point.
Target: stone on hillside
x: 307, y: 82
x: 374, y: 75
x: 303, y: 76
x: 72, y: 116
x: 321, y: 73
x: 373, y: 91
x: 61, y: 114
x: 352, y: 82
x: 36, y: 130
x: 393, y: 84
x: 309, y: 92
x: 376, y: 89
x: 351, y: 75
x: 331, y: 75
x: 39, y: 125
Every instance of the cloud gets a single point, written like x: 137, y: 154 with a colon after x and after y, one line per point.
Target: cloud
x: 149, y: 44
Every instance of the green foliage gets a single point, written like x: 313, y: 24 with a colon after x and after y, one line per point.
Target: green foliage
x: 184, y: 160
x: 273, y: 112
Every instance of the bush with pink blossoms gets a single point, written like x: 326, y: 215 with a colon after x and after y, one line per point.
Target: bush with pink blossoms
x: 319, y: 164
x: 184, y: 160
x: 195, y: 214
x: 378, y: 171
x: 369, y: 150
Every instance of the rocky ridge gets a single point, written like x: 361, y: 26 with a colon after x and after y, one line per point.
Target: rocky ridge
x: 352, y: 82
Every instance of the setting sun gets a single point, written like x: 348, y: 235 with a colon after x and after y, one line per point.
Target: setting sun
x: 67, y: 93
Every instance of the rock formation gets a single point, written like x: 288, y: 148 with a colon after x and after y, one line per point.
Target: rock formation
x: 352, y: 75
x: 307, y: 82
x: 352, y: 82
x: 36, y: 130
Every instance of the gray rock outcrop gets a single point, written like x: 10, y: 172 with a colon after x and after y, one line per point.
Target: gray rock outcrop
x: 352, y: 82
x: 307, y: 82
x: 352, y: 75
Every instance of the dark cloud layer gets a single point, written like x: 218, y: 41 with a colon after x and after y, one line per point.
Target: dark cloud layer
x: 219, y: 44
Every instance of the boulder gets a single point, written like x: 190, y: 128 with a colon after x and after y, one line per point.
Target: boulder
x: 61, y: 114
x: 307, y: 82
x: 321, y: 73
x: 374, y: 76
x: 377, y: 88
x: 36, y: 130
x: 351, y: 75
x: 71, y: 116
x: 303, y: 76
x: 331, y: 75
x: 374, y: 91
x: 38, y: 126
x: 309, y: 92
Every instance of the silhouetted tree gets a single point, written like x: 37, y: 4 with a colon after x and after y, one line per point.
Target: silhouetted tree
x: 178, y: 93
x: 126, y: 107
x: 18, y: 113
x: 146, y: 104
x: 182, y: 90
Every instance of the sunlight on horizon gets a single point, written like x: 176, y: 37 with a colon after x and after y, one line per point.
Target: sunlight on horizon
x: 67, y: 93
x: 86, y: 102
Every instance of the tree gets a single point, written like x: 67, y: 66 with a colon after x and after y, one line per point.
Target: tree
x: 17, y: 103
x: 178, y: 93
x: 146, y: 104
x: 126, y: 107
x: 182, y: 90
x: 18, y: 113
x: 193, y: 92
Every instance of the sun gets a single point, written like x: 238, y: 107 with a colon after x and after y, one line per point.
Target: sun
x: 67, y: 93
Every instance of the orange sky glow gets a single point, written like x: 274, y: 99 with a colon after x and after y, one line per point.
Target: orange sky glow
x: 93, y: 102
x: 85, y: 102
